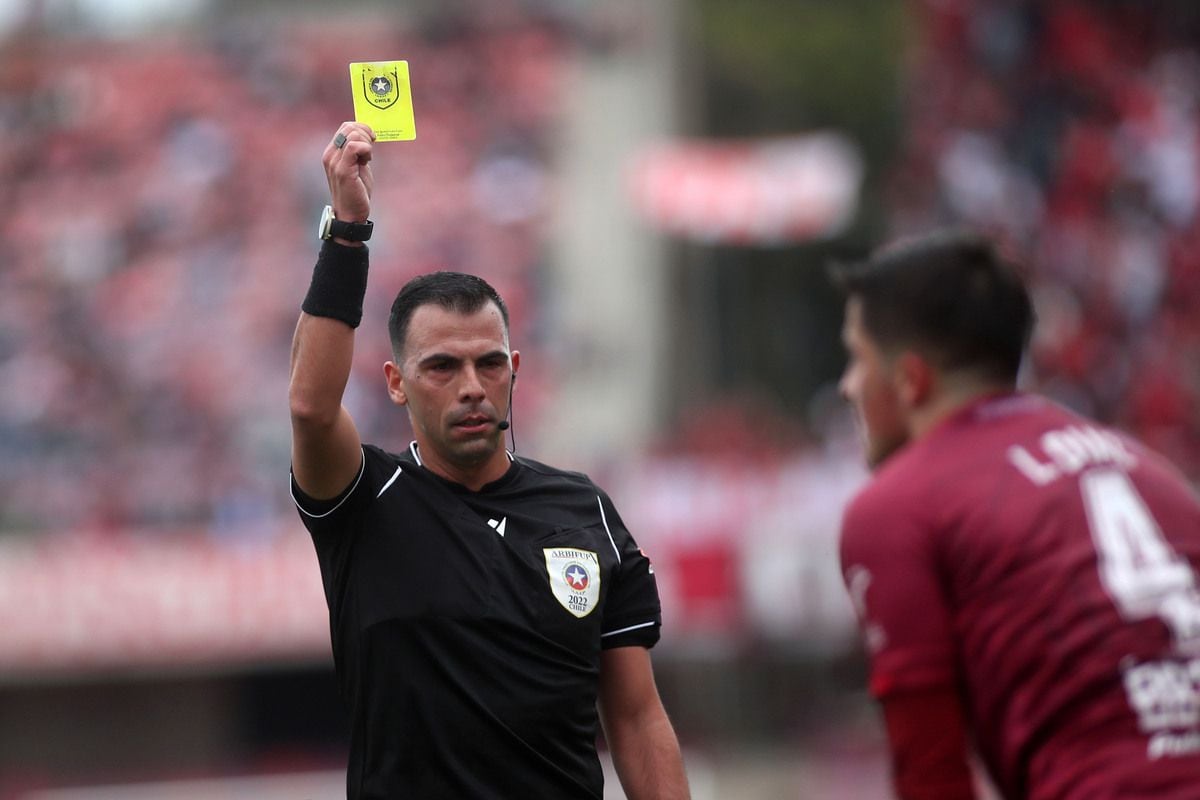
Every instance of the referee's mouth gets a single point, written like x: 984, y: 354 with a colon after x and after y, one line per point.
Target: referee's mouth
x: 474, y: 423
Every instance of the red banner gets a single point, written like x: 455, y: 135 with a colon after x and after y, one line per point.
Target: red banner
x: 80, y: 603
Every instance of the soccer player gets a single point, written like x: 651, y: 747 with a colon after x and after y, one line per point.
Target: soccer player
x: 1025, y: 577
x: 480, y: 603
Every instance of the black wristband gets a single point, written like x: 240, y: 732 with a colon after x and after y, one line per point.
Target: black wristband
x: 339, y: 283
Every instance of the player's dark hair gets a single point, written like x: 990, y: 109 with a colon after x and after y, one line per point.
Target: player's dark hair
x: 453, y: 291
x: 948, y: 293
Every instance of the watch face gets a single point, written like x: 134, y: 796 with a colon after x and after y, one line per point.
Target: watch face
x: 325, y: 223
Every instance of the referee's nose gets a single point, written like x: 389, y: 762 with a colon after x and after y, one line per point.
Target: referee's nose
x: 470, y: 387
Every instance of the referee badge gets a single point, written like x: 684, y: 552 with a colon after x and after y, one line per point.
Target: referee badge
x: 380, y: 86
x: 574, y: 578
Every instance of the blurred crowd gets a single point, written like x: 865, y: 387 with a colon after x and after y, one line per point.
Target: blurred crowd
x: 160, y: 203
x: 1071, y: 129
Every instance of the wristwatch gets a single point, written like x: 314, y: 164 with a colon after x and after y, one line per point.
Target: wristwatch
x: 331, y: 226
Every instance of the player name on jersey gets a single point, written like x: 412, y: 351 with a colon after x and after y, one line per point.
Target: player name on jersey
x: 1069, y: 450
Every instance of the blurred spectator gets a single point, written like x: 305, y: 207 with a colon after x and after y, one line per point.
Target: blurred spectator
x: 1072, y: 130
x: 161, y: 201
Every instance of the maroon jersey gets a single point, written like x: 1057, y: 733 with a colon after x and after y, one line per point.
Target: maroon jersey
x: 1046, y: 567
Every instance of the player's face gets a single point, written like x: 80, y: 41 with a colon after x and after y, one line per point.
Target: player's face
x: 454, y: 377
x: 869, y: 385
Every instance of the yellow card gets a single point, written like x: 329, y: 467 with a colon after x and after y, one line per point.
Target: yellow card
x: 383, y: 99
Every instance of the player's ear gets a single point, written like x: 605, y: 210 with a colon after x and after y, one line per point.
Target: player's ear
x: 915, y: 379
x: 395, y: 383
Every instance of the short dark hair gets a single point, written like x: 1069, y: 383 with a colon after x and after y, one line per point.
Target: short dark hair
x: 453, y: 291
x: 949, y: 293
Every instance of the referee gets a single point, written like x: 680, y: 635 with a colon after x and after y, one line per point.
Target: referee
x: 480, y: 604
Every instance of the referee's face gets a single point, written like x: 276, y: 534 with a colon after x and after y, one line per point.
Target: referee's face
x: 454, y: 377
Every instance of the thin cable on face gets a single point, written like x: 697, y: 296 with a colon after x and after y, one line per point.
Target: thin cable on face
x: 512, y: 434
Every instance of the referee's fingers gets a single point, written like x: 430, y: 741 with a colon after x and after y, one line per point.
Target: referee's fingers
x: 354, y: 152
x: 347, y: 132
x: 357, y: 130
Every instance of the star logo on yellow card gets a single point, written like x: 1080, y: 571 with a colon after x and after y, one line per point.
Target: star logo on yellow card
x: 383, y: 99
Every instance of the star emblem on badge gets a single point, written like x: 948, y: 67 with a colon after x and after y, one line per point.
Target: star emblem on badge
x: 577, y: 577
x: 381, y: 85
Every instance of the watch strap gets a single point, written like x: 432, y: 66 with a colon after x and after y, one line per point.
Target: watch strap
x: 351, y: 231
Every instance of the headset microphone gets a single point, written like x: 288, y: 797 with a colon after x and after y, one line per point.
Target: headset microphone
x: 504, y: 424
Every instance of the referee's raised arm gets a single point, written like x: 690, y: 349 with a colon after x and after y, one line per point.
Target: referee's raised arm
x: 326, y: 450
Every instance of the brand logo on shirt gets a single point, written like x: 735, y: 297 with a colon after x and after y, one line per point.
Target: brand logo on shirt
x: 858, y: 581
x: 574, y: 578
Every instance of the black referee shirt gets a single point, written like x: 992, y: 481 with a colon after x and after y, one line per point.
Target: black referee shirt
x: 467, y: 626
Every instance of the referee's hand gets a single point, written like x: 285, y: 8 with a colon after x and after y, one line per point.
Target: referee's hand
x: 347, y: 160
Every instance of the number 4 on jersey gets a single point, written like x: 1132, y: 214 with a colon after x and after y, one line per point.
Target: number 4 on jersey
x: 1139, y: 570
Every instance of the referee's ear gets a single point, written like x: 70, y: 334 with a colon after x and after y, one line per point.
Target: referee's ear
x: 395, y: 383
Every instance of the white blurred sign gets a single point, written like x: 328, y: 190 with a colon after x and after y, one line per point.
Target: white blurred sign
x: 770, y: 192
x: 70, y: 604
x: 274, y: 787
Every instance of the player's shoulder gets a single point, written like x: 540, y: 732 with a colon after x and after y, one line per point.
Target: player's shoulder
x: 898, y: 488
x: 910, y: 472
x: 893, y: 513
x: 964, y: 451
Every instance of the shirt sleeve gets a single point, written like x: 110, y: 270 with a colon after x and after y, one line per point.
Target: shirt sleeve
x: 927, y: 736
x: 632, y: 612
x: 891, y: 571
x: 330, y: 521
